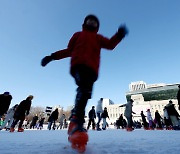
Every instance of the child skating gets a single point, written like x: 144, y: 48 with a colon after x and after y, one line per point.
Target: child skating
x: 84, y: 49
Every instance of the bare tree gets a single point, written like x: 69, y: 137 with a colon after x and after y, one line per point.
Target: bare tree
x: 36, y: 110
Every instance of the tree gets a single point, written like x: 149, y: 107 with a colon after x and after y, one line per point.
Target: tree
x: 36, y: 110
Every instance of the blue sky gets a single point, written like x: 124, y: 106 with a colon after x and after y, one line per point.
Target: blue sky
x: 32, y: 29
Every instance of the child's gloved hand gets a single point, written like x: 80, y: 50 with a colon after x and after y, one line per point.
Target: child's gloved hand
x: 46, y: 60
x: 122, y: 31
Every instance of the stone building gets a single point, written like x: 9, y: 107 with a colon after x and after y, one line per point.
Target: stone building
x: 145, y: 96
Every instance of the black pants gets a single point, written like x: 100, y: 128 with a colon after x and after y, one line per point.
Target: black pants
x: 145, y: 123
x: 15, y: 121
x: 93, y: 123
x: 159, y: 123
x: 84, y: 78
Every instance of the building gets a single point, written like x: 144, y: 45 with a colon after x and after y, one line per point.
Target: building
x: 152, y: 96
x: 114, y: 111
x: 145, y: 96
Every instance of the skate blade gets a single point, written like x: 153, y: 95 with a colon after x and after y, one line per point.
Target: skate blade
x: 81, y: 148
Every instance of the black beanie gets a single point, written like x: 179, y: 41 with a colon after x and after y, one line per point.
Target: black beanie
x: 91, y: 16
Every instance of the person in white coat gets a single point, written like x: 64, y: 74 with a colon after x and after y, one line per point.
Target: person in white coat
x: 150, y: 119
x: 9, y: 118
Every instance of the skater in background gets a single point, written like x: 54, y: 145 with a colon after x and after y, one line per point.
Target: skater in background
x: 128, y: 114
x: 167, y: 120
x: 119, y: 122
x: 65, y: 123
x: 40, y: 123
x: 1, y: 121
x: 173, y: 114
x: 25, y: 123
x: 104, y: 115
x: 52, y: 119
x: 99, y: 111
x: 150, y: 120
x: 61, y: 121
x: 5, y: 101
x: 178, y: 97
x: 21, y: 112
x: 158, y: 120
x: 145, y: 124
x: 84, y: 49
x: 92, y: 117
x: 34, y: 121
x: 9, y: 118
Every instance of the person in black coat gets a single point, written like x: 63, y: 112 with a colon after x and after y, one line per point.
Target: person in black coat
x: 173, y: 114
x: 92, y: 116
x: 41, y: 122
x: 158, y: 119
x: 52, y: 119
x: 34, y: 121
x: 104, y: 115
x: 145, y: 124
x: 119, y: 122
x: 21, y: 112
x: 5, y: 101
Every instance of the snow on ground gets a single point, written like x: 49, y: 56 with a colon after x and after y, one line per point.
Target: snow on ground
x: 110, y: 141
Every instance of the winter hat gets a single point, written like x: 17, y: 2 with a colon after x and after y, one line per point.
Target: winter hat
x: 89, y: 24
x: 6, y: 93
x: 131, y: 100
x: 30, y: 97
x: 170, y: 102
x: 148, y: 110
x: 15, y: 106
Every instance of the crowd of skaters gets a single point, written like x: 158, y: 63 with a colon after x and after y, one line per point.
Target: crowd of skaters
x: 169, y: 121
x: 17, y: 115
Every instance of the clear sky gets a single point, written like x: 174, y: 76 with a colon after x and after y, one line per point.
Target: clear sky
x: 32, y: 29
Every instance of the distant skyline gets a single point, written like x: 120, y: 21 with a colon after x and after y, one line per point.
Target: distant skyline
x: 30, y: 30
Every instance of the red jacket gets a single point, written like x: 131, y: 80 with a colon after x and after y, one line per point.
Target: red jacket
x: 84, y: 49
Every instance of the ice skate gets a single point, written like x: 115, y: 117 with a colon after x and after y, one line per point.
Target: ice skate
x: 20, y: 130
x: 77, y: 135
x: 146, y: 128
x: 151, y: 128
x: 169, y: 128
x: 98, y: 129
x: 129, y: 129
x: 12, y: 129
x: 159, y: 128
x: 7, y: 129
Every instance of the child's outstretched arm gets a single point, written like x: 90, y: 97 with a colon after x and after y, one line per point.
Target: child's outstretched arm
x: 55, y: 56
x: 122, y: 105
x: 61, y: 53
x: 115, y: 39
